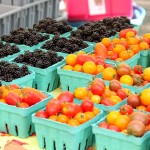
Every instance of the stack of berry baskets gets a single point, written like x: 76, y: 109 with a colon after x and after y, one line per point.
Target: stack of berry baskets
x: 64, y: 46
x: 94, y: 32
x: 25, y: 39
x: 7, y: 51
x: 11, y: 73
x: 49, y: 26
x: 59, y: 128
x: 17, y: 104
x: 44, y: 64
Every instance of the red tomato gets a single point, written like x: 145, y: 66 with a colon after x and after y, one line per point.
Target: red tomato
x: 65, y: 97
x: 100, y: 62
x: 14, y: 86
x: 13, y: 99
x: 121, y: 93
x: 53, y: 107
x: 106, y: 102
x: 126, y: 109
x: 110, y: 47
x: 41, y: 114
x: 71, y: 109
x: 138, y: 69
x: 31, y: 98
x: 99, y: 80
x: 97, y: 89
x: 87, y: 105
x: 82, y: 58
x: 114, y: 128
x: 103, y: 125
x: 101, y: 50
x: 23, y: 105
x: 113, y: 56
x: 148, y: 108
x: 108, y: 65
x: 145, y: 83
x: 123, y: 33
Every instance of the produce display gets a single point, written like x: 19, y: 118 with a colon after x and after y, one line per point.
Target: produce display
x: 104, y: 86
x: 38, y: 58
x: 62, y: 109
x: 140, y: 101
x: 7, y: 49
x: 61, y: 44
x: 132, y: 123
x: 20, y: 97
x: 99, y: 93
x: 24, y: 36
x: 96, y: 31
x: 86, y: 63
x: 10, y: 71
x: 51, y: 26
x: 126, y: 75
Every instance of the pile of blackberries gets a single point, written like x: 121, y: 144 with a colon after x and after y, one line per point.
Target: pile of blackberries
x: 96, y: 31
x: 60, y: 44
x: 39, y: 58
x: 24, y: 36
x: 7, y: 49
x: 51, y: 26
x: 11, y: 71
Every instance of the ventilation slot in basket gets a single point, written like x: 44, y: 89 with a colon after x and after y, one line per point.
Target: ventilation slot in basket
x: 30, y: 130
x: 48, y: 87
x: 79, y: 146
x: 86, y: 145
x: 16, y: 129
x: 7, y: 130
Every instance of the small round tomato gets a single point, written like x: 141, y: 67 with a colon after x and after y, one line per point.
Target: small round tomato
x: 148, y: 108
x: 23, y: 105
x: 53, y: 107
x: 97, y: 89
x: 73, y: 122
x: 126, y: 109
x: 81, y: 117
x: 41, y: 114
x: 121, y: 93
x: 87, y: 105
x: 113, y: 56
x: 103, y: 125
x: 138, y: 69
x: 114, y: 128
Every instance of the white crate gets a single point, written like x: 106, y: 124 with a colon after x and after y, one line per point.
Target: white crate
x: 35, y: 11
x: 9, y: 18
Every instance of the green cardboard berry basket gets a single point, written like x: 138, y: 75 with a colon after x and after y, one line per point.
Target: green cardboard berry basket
x: 23, y: 81
x: 18, y: 121
x: 70, y: 80
x: 45, y: 79
x: 54, y: 135
x: 111, y: 140
x: 9, y: 57
x: 25, y: 47
x: 144, y: 59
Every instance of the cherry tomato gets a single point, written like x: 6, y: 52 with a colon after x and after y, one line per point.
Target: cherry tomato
x: 103, y: 125
x: 121, y: 93
x: 114, y: 128
x: 97, y: 89
x: 71, y: 109
x: 13, y: 99
x: 138, y: 69
x: 23, y: 105
x: 126, y: 109
x: 53, y: 107
x: 41, y: 114
x: 65, y: 97
x: 87, y: 105
x: 148, y: 108
x: 31, y: 98
x: 106, y: 102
